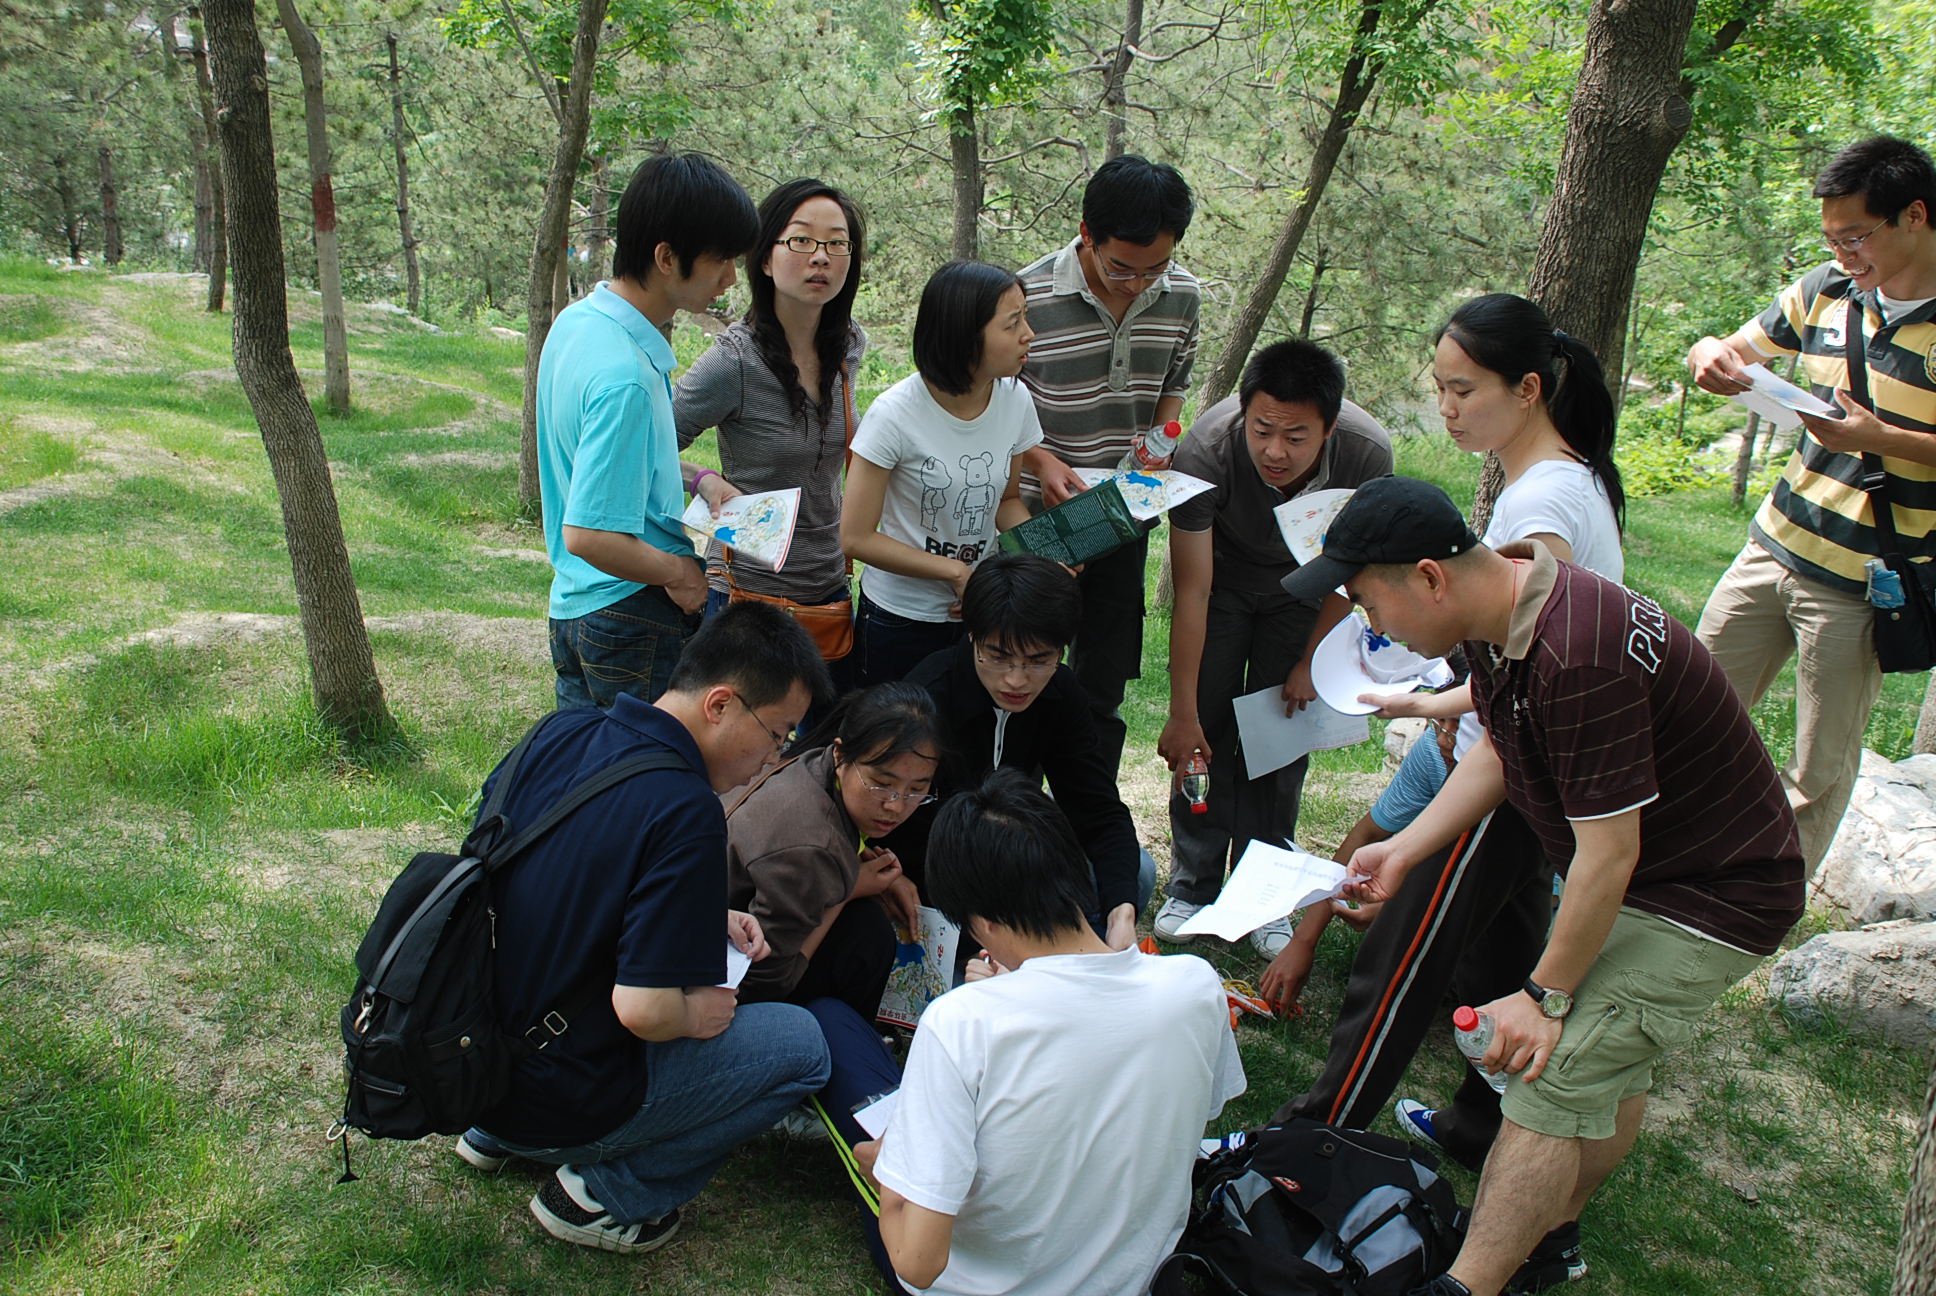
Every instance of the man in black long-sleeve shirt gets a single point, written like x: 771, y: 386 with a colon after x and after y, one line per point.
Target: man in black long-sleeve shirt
x: 1008, y: 700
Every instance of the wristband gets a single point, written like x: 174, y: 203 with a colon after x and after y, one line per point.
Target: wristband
x: 702, y: 475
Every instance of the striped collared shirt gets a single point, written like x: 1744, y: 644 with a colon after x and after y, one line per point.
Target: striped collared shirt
x: 1096, y: 382
x: 1817, y: 521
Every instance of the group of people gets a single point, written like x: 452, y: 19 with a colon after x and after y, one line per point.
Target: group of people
x: 850, y: 756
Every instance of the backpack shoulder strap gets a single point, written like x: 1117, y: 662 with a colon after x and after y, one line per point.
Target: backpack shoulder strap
x: 610, y: 777
x: 488, y: 824
x: 1875, y: 479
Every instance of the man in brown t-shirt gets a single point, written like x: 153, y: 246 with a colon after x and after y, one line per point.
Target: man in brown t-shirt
x: 1612, y: 731
x: 1288, y: 431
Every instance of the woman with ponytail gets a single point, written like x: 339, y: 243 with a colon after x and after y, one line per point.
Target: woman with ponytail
x: 1509, y: 382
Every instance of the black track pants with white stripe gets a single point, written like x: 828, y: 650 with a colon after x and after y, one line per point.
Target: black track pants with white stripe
x: 1467, y: 925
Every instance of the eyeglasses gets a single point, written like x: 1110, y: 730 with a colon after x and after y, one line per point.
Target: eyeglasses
x: 1853, y: 244
x: 1034, y: 665
x: 889, y: 796
x: 1131, y: 276
x: 779, y: 740
x: 808, y: 246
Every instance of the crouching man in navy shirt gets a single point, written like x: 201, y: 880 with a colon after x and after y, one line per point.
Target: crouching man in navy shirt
x: 639, y: 1101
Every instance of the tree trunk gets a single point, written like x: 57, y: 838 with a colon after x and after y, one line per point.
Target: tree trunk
x: 1925, y: 739
x: 1354, y: 87
x: 412, y: 274
x: 1744, y: 460
x: 598, y: 239
x: 1115, y: 86
x: 1629, y: 112
x: 70, y: 215
x: 552, y: 222
x: 322, y: 208
x: 218, y: 216
x: 110, y: 210
x: 561, y: 279
x: 1311, y: 297
x: 1916, y: 1257
x: 342, y: 671
x: 1492, y: 480
x: 964, y: 151
x: 198, y: 141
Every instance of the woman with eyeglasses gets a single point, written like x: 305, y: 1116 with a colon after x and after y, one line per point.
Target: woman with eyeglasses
x: 805, y: 855
x: 1009, y: 702
x: 778, y: 386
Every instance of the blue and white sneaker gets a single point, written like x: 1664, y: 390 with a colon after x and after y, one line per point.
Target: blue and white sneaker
x: 1415, y: 1118
x: 1222, y: 1143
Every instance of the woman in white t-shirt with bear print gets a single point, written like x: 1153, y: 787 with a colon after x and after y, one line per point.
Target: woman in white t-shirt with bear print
x: 935, y: 471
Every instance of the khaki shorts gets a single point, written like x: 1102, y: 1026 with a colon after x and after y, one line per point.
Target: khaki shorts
x: 1646, y: 993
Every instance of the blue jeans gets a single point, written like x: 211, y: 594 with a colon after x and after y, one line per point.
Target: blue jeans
x: 629, y: 646
x: 703, y: 1098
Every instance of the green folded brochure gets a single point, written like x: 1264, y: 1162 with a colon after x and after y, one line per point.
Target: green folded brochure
x: 1080, y: 529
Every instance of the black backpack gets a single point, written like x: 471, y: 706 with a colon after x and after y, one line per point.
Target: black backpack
x: 424, y: 1051
x: 1305, y: 1209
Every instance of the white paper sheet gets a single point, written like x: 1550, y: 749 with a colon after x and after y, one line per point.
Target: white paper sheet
x: 1354, y: 659
x: 1273, y: 740
x: 874, y: 1117
x: 759, y: 527
x: 1776, y: 399
x: 1148, y: 494
x: 1269, y: 882
x: 1302, y: 521
x: 736, y: 965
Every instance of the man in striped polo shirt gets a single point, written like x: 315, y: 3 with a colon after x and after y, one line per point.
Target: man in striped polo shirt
x: 1115, y: 322
x: 1799, y: 586
x: 1617, y: 738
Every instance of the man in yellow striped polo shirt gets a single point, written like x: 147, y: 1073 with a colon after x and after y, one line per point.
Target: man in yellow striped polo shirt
x: 1799, y: 586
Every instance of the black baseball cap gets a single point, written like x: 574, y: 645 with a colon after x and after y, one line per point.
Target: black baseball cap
x: 1390, y: 520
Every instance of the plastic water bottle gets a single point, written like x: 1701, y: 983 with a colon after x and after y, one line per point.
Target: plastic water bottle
x: 1472, y: 1030
x: 1196, y: 783
x: 1153, y: 449
x: 1885, y: 585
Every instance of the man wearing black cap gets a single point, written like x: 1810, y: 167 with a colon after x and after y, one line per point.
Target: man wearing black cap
x: 1613, y: 732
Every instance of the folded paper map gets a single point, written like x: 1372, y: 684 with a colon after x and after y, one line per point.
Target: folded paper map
x: 759, y: 527
x: 1148, y: 494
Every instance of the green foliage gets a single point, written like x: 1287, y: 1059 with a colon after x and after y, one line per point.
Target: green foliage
x: 983, y: 52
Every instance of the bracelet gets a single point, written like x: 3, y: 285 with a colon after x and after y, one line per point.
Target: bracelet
x: 704, y: 473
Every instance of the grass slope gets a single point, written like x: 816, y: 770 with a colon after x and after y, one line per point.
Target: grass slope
x: 187, y: 860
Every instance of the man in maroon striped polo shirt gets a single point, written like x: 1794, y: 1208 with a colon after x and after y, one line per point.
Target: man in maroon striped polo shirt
x: 1613, y: 732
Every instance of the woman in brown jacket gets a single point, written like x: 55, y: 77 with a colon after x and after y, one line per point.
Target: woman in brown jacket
x: 804, y: 849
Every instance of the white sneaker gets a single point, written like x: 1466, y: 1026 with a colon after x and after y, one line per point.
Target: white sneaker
x: 802, y: 1124
x: 1172, y: 916
x: 1270, y: 939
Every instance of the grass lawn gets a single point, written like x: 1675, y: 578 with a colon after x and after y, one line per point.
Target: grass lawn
x: 187, y: 860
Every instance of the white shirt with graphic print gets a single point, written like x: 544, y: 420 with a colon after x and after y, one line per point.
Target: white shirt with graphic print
x: 945, y: 478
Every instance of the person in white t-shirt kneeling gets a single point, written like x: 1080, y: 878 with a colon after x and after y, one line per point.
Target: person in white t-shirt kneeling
x: 1050, y: 1113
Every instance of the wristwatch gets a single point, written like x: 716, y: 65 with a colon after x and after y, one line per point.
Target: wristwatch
x: 1554, y: 1003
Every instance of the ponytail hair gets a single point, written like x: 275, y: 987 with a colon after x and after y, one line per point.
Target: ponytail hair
x: 1513, y: 337
x: 877, y: 724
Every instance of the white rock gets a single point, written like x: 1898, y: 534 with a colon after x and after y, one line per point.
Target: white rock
x: 1400, y: 734
x: 1882, y: 863
x: 1877, y: 980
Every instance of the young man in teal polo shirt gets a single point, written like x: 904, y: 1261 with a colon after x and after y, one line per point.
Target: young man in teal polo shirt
x: 626, y: 587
